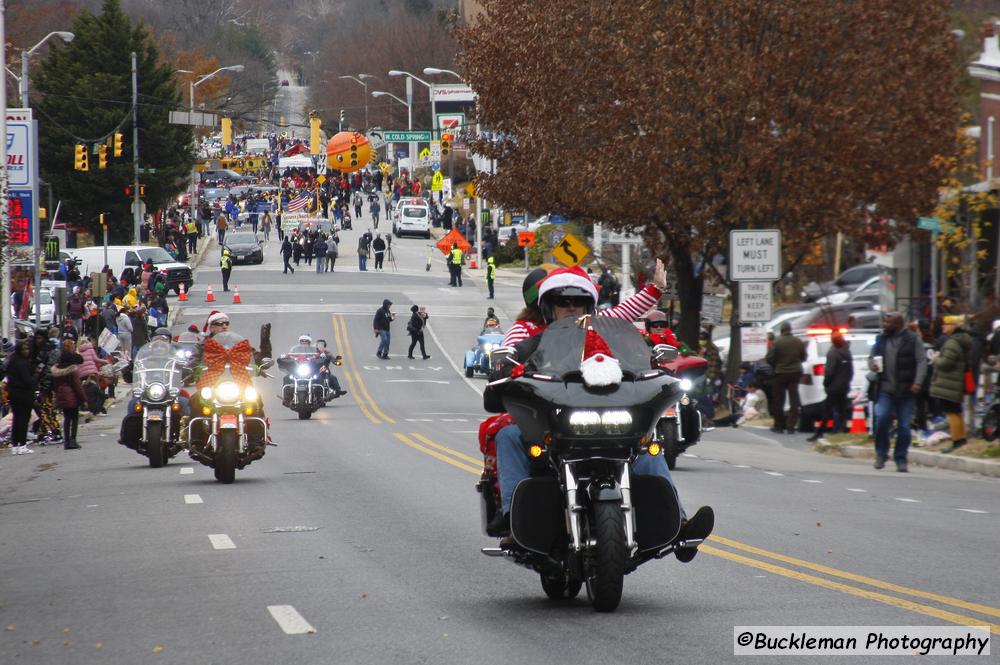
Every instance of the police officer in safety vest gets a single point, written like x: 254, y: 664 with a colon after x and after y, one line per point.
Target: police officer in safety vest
x: 455, y: 265
x: 226, y: 262
x: 491, y: 274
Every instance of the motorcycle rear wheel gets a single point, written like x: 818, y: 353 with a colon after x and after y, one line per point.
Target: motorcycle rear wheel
x: 560, y: 588
x: 225, y: 457
x: 607, y: 573
x: 154, y: 445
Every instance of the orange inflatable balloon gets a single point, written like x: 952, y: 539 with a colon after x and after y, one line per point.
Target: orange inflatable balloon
x: 348, y: 152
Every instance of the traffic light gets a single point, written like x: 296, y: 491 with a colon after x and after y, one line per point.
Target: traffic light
x: 354, y: 150
x: 102, y: 156
x: 343, y: 118
x: 118, y: 144
x: 142, y: 191
x: 80, y: 162
x: 227, y: 131
x: 104, y: 225
x: 445, y: 145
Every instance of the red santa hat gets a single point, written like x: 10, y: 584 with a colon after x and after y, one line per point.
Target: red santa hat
x: 599, y: 367
x: 213, y: 316
x: 562, y: 277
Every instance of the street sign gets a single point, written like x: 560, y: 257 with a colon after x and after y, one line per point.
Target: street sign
x: 436, y: 151
x: 466, y: 204
x: 435, y: 166
x: 437, y: 182
x: 526, y: 238
x: 196, y: 118
x: 711, y: 308
x: 755, y: 255
x: 934, y: 225
x: 19, y: 211
x: 425, y: 153
x: 556, y: 236
x: 406, y: 137
x: 753, y: 343
x: 755, y: 302
x: 321, y: 179
x: 617, y: 238
x: 571, y: 251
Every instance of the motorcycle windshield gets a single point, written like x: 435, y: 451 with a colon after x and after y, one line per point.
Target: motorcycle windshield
x: 156, y: 363
x: 561, y: 348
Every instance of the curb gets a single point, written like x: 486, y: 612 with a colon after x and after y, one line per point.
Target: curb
x: 927, y: 458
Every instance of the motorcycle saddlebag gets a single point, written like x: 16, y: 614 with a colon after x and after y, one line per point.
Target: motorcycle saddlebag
x: 131, y: 431
x: 537, y: 515
x: 657, y: 513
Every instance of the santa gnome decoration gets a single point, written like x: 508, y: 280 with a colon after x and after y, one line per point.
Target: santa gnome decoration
x: 599, y: 367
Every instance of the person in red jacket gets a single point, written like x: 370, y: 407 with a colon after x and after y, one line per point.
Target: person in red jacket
x: 69, y: 391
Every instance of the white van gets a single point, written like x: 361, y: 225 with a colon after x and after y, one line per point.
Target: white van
x: 121, y: 256
x: 412, y: 216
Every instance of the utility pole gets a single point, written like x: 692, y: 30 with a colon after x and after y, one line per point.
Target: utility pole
x: 136, y: 201
x: 4, y: 221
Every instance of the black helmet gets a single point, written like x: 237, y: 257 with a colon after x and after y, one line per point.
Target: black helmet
x: 545, y: 304
x: 162, y: 332
x: 529, y: 288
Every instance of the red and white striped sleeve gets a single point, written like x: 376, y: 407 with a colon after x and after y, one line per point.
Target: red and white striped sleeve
x: 635, y: 305
x: 516, y: 333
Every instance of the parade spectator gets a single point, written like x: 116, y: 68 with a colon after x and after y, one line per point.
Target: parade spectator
x: 837, y: 375
x: 332, y: 250
x: 319, y: 250
x: 415, y: 329
x: 286, y: 255
x: 68, y: 390
x: 899, y: 360
x: 953, y: 376
x: 786, y: 356
x: 383, y: 317
x: 378, y: 247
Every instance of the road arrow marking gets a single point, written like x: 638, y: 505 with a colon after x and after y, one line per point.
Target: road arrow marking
x: 221, y: 541
x: 290, y: 620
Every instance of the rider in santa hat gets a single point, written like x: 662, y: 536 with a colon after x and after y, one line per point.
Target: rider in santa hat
x: 215, y: 323
x: 564, y: 293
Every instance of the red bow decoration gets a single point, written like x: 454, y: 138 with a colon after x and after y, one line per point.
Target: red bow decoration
x: 217, y: 356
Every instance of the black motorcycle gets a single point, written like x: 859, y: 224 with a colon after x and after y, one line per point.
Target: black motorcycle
x: 305, y: 389
x: 680, y: 427
x: 583, y: 517
x: 153, y: 424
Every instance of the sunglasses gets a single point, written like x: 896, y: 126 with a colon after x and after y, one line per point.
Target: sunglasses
x: 572, y: 301
x: 659, y: 324
x: 220, y: 323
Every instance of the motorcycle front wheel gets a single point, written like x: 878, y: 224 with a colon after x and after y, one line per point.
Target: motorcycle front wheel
x: 225, y: 457
x: 671, y: 443
x: 154, y: 445
x: 305, y: 414
x: 607, y: 571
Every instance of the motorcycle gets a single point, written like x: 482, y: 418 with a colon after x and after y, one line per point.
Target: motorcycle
x: 231, y: 431
x: 305, y: 389
x: 477, y: 359
x: 152, y: 426
x: 680, y: 426
x: 583, y: 517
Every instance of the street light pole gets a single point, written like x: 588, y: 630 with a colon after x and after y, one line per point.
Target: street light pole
x: 430, y: 91
x: 360, y: 79
x: 381, y: 93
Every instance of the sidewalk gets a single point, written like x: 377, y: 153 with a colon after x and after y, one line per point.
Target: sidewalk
x: 953, y: 462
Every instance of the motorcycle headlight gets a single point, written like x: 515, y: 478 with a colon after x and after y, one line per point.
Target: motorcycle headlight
x: 156, y: 391
x: 585, y: 422
x: 617, y: 421
x: 206, y: 393
x: 302, y: 371
x: 228, y: 391
x: 488, y: 347
x: 250, y: 394
x: 686, y: 385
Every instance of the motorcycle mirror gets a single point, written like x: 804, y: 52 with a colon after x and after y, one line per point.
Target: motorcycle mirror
x: 664, y: 353
x: 266, y: 363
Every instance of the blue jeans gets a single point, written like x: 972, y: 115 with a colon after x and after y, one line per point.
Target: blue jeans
x: 902, y: 407
x: 513, y: 466
x: 362, y: 261
x: 320, y: 264
x: 383, y: 343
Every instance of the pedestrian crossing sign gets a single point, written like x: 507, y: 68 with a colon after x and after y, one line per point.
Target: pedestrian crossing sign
x: 425, y: 153
x: 437, y: 183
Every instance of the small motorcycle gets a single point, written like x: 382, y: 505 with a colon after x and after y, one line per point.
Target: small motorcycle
x: 305, y: 389
x: 680, y: 426
x: 153, y: 424
x: 231, y: 430
x: 477, y: 359
x: 583, y: 517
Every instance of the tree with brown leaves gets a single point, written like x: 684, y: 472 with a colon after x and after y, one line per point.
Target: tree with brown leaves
x: 684, y: 119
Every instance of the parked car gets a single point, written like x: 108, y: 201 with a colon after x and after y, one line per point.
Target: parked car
x: 870, y: 291
x: 48, y: 308
x: 133, y: 256
x: 778, y: 317
x: 848, y: 280
x: 831, y: 316
x: 245, y: 246
x: 223, y: 175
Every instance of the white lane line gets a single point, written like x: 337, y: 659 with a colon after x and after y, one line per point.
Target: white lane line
x: 290, y: 620
x: 221, y: 541
x: 773, y: 473
x: 815, y: 482
x: 192, y: 498
x: 905, y: 500
x: 855, y: 489
x: 741, y: 466
x: 419, y: 420
x: 973, y: 511
x: 454, y: 420
x: 186, y: 470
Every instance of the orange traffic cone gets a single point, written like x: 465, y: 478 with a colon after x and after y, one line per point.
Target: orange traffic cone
x: 209, y: 296
x: 236, y: 295
x: 182, y: 296
x: 859, y: 425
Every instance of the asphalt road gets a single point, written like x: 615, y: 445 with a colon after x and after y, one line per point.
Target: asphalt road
x: 357, y: 539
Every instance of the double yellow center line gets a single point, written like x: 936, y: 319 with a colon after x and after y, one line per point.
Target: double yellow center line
x: 369, y: 407
x: 776, y: 563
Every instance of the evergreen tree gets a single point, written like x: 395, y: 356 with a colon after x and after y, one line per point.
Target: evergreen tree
x: 82, y: 93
